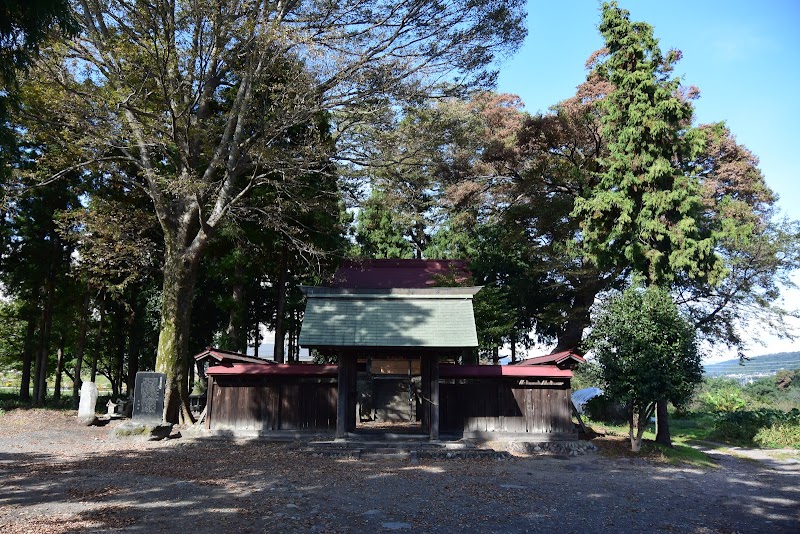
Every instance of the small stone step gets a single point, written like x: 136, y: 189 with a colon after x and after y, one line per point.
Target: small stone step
x: 404, y: 445
x: 465, y: 454
x: 386, y: 455
x: 333, y: 453
x: 378, y: 453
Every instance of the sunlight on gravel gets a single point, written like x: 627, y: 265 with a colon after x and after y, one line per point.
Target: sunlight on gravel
x: 58, y: 477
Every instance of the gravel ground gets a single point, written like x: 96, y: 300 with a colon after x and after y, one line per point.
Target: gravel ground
x: 56, y: 476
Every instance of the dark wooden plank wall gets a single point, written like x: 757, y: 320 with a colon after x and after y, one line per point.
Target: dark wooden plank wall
x: 390, y: 398
x: 254, y: 403
x: 505, y: 406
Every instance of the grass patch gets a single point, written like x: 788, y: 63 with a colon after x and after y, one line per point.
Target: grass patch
x: 616, y: 443
x: 619, y: 446
x: 784, y: 455
x: 697, y: 426
x: 679, y: 454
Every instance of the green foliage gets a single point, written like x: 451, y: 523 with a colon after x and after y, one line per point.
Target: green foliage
x: 11, y: 401
x: 378, y: 233
x: 644, y: 212
x: 25, y: 25
x: 759, y: 253
x: 606, y: 410
x: 763, y: 391
x: 783, y: 433
x: 764, y: 413
x: 762, y: 427
x: 12, y: 333
x: 493, y: 317
x: 722, y: 395
x: 779, y: 392
x: 506, y: 308
x: 587, y: 375
x: 645, y: 349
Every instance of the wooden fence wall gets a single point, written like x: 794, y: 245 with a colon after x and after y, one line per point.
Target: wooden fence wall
x: 272, y: 403
x: 294, y: 403
x: 505, y: 406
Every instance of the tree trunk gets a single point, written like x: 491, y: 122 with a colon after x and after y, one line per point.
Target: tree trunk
x: 571, y: 335
x: 120, y: 359
x: 173, y: 340
x: 296, y: 333
x: 59, y: 369
x: 40, y: 379
x: 256, y: 338
x: 190, y: 368
x: 662, y: 424
x: 99, y: 345
x: 280, y: 309
x: 133, y: 355
x: 76, y: 382
x: 236, y: 314
x: 133, y: 362
x: 27, y: 361
x: 633, y: 428
x: 638, y: 419
x: 295, y: 346
x: 513, y: 344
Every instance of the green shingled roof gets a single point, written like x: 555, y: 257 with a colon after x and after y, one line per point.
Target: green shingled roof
x: 416, y: 318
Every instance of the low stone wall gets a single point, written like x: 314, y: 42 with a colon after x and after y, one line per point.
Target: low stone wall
x: 561, y: 448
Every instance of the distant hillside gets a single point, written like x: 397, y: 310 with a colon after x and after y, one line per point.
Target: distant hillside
x: 767, y: 364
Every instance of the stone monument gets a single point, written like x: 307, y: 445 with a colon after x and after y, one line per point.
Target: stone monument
x: 86, y: 415
x: 148, y: 397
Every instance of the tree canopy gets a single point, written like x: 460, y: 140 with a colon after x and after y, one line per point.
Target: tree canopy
x: 646, y: 351
x: 201, y: 104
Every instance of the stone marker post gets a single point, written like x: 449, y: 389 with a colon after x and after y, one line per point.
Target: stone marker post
x: 86, y: 415
x: 148, y: 397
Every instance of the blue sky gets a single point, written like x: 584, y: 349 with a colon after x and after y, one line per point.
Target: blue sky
x: 743, y: 55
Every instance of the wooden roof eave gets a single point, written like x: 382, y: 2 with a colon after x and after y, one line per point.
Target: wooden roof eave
x: 445, y: 371
x: 278, y: 369
x: 564, y: 360
x: 219, y: 355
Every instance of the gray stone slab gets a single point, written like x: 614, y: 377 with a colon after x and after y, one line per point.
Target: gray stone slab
x: 88, y: 402
x: 148, y: 397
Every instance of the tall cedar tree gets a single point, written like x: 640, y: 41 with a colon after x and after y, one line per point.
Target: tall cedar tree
x: 646, y: 209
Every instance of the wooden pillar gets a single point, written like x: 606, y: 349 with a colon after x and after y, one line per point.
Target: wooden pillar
x: 353, y: 395
x: 430, y: 394
x: 424, y: 369
x: 209, y: 401
x: 434, y: 387
x: 346, y: 362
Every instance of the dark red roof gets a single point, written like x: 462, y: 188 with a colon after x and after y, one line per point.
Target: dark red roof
x: 278, y: 369
x: 566, y: 357
x: 515, y: 371
x: 384, y: 274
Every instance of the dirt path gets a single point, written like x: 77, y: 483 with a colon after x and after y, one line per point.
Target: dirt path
x: 782, y: 460
x: 58, y: 477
